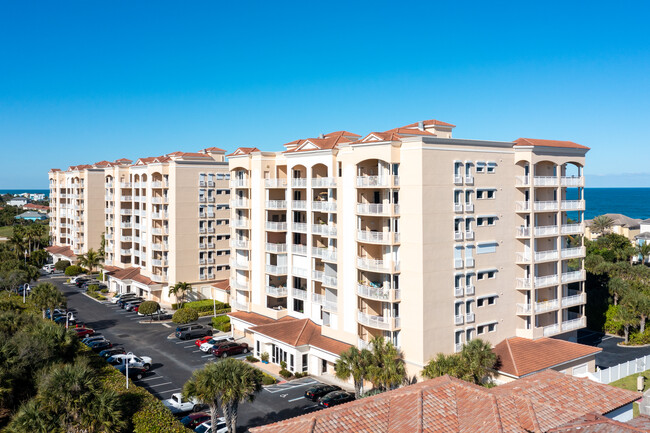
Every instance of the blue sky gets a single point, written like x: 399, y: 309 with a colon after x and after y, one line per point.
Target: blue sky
x: 85, y: 81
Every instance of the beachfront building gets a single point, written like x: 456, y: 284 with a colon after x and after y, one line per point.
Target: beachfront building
x: 621, y: 225
x: 165, y: 221
x: 76, y: 211
x: 427, y: 240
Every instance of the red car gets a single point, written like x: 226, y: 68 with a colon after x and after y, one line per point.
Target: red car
x: 205, y: 339
x: 83, y: 332
x: 229, y: 348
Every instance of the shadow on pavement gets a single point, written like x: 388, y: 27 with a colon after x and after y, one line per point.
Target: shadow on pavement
x: 101, y: 324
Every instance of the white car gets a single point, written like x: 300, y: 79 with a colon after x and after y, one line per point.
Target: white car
x: 49, y: 268
x: 116, y: 298
x: 206, y: 427
x: 177, y: 405
x: 208, y: 345
x: 161, y: 311
x: 141, y: 361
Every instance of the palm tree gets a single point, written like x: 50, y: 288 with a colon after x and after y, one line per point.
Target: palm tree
x: 226, y: 384
x: 46, y: 295
x: 91, y: 260
x: 479, y: 358
x: 387, y: 370
x: 178, y: 290
x: 601, y: 224
x: 30, y: 417
x: 627, y: 317
x: 644, y: 251
x: 355, y: 363
x: 445, y: 364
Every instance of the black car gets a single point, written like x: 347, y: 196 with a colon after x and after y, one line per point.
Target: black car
x: 135, y: 373
x: 95, y: 337
x: 317, y: 391
x: 129, y: 306
x: 100, y: 345
x: 81, y: 281
x: 61, y: 321
x: 122, y: 302
x: 335, y: 398
x: 107, y: 353
x: 192, y: 330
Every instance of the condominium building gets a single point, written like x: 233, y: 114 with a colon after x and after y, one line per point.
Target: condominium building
x: 164, y: 221
x: 410, y: 234
x: 76, y: 211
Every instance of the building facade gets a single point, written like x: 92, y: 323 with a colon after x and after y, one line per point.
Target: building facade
x: 410, y: 234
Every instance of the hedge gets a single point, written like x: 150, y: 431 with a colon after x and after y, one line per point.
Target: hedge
x: 73, y: 270
x: 221, y: 323
x: 62, y: 265
x: 209, y: 313
x: 205, y: 305
x: 185, y: 316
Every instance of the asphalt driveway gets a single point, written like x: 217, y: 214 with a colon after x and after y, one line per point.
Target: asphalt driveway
x: 612, y: 354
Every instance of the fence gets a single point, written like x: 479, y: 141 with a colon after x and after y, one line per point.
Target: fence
x: 619, y: 371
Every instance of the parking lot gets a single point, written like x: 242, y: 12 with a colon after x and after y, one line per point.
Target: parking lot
x: 173, y: 361
x: 612, y: 354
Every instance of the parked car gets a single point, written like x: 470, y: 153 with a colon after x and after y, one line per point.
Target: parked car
x: 142, y: 361
x: 320, y: 390
x: 22, y: 289
x: 206, y: 427
x: 208, y: 345
x: 179, y: 405
x: 129, y: 306
x: 107, y: 353
x: 48, y: 268
x: 81, y: 281
x: 121, y: 296
x: 193, y: 420
x: 224, y: 350
x: 100, y: 345
x: 95, y: 337
x: 200, y: 341
x: 161, y: 312
x: 74, y: 280
x: 83, y: 332
x: 99, y: 285
x: 122, y: 302
x: 61, y: 320
x: 192, y: 330
x: 135, y: 373
x: 335, y: 398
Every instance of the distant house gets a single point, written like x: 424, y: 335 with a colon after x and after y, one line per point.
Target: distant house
x: 622, y: 225
x: 36, y: 207
x: 520, y: 357
x: 31, y: 216
x: 61, y: 253
x: 18, y: 201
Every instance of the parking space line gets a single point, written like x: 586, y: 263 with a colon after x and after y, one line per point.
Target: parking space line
x: 159, y: 384
x: 191, y: 345
x: 279, y: 388
x: 296, y: 399
x: 206, y: 356
x: 168, y: 390
x: 152, y: 378
x: 198, y: 350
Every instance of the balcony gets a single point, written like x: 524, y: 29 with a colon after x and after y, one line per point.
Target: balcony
x: 330, y: 305
x: 570, y: 325
x: 458, y: 179
x: 570, y: 277
x: 548, y: 280
x: 299, y: 249
x: 377, y: 209
x: 210, y: 245
x: 387, y: 266
x: 159, y: 215
x: 160, y: 247
x: 239, y: 183
x: 544, y: 306
x: 546, y: 256
x: 469, y: 235
x: 542, y: 231
x: 126, y: 252
x: 329, y: 281
x: 275, y: 183
x: 203, y: 246
x: 299, y: 294
x: 239, y: 306
x: 276, y: 270
x: 324, y: 206
x: 159, y: 184
x: 210, y: 261
x: 317, y: 275
x: 238, y: 285
x: 459, y: 319
x: 239, y: 264
x: 570, y: 301
x: 545, y: 181
x: 126, y: 238
x: 299, y: 227
x: 545, y: 206
x: 159, y: 278
x: 122, y: 225
x: 317, y: 299
x: 458, y: 207
x: 109, y: 210
x: 522, y: 180
x: 376, y: 181
x: 572, y: 229
x: 378, y: 293
x: 373, y: 237
x: 469, y: 207
x: 323, y: 182
x: 551, y: 330
x: 240, y: 202
x: 572, y: 181
x: 276, y: 226
x: 299, y: 183
x: 126, y: 211
x: 458, y: 291
x: 469, y: 262
x: 458, y: 263
x: 241, y: 223
x: 572, y: 253
x: 161, y: 231
x: 522, y: 206
x: 323, y: 229
x: 524, y: 309
x: 276, y: 204
x: 469, y: 290
x: 276, y: 248
x: 158, y: 262
x: 277, y: 292
x: 299, y: 272
x: 573, y: 205
x: 469, y: 318
x: 239, y: 243
x: 298, y: 205
x: 126, y: 185
x: 458, y: 236
x: 158, y: 200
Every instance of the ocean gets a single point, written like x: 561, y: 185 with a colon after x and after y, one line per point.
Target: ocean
x: 633, y: 202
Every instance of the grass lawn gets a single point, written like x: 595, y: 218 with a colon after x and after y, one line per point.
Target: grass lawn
x: 629, y: 383
x: 6, y: 232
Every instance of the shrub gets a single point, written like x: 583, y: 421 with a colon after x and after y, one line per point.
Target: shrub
x: 185, y: 316
x: 268, y: 379
x: 299, y: 375
x: 62, y: 265
x: 224, y: 327
x: 283, y: 365
x: 210, y: 313
x: 251, y: 358
x: 203, y: 306
x: 104, y: 290
x: 73, y: 270
x: 638, y: 338
x: 148, y: 307
x: 93, y: 288
x: 219, y: 320
x: 286, y: 373
x: 97, y: 296
x: 264, y: 357
x: 612, y: 326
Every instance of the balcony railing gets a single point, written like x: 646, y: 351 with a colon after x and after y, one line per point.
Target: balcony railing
x: 239, y: 222
x: 240, y: 306
x: 299, y: 227
x: 570, y: 325
x: 458, y: 236
x: 276, y: 204
x: 469, y: 290
x: 323, y: 182
x: 522, y: 206
x: 458, y: 291
x: 459, y: 319
x: 126, y: 198
x: 324, y: 229
x: 275, y: 183
x: 377, y: 181
x: 545, y: 181
x: 378, y: 322
x: 546, y: 231
x: 469, y: 318
x: 157, y: 262
x: 298, y: 205
x: 160, y: 231
x: 573, y: 204
x: 239, y: 243
x: 544, y: 306
x: 122, y: 225
x: 469, y: 235
x: 570, y: 253
x: 276, y: 248
x: 458, y: 179
x: 126, y: 184
x: 158, y: 200
x: 276, y: 270
x: 572, y: 181
x: 458, y: 263
x: 159, y: 278
x: 548, y: 280
x: 239, y: 183
x: 524, y: 308
x: 239, y: 264
x: 469, y: 262
x: 240, y: 202
x: 329, y: 281
x: 469, y: 207
x: 572, y: 229
x: 570, y: 301
x: 299, y: 182
x: 469, y: 179
x: 330, y: 305
x: 375, y: 265
x: 160, y: 246
x: 279, y: 292
x: 377, y: 209
x: 317, y: 275
x: 545, y: 206
x: 126, y: 238
x: 299, y: 294
x: 299, y: 272
x: 317, y: 299
x: 323, y: 206
x: 276, y: 226
x: 522, y: 180
x: 238, y: 285
x: 551, y: 330
x: 570, y: 277
x: 299, y: 249
x: 373, y: 237
x: 378, y: 293
x: 125, y: 252
x: 458, y: 207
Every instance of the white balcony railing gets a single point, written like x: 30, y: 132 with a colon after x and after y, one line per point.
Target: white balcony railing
x: 545, y: 256
x: 240, y: 202
x: 379, y: 293
x: 276, y: 204
x: 458, y: 179
x: 239, y: 183
x: 324, y: 229
x: 370, y: 181
x: 276, y: 270
x: 239, y: 222
x: 299, y: 294
x: 159, y: 262
x: 551, y: 330
x: 299, y: 249
x: 298, y: 205
x: 572, y: 229
x: 299, y: 182
x: 572, y: 181
x: 276, y: 226
x: 299, y: 272
x: 378, y: 322
x: 469, y: 235
x: 323, y: 206
x: 374, y: 237
x: 323, y: 182
x: 299, y: 227
x: 459, y: 319
x: 317, y: 275
x: 469, y: 262
x: 548, y: 280
x: 458, y: 207
x: 469, y: 207
x: 329, y: 281
x: 524, y: 308
x: 374, y: 265
x: 241, y: 285
x: 240, y: 306
x: 545, y: 181
x: 330, y: 305
x: 469, y: 318
x: 573, y: 204
x: 458, y: 291
x: 546, y: 231
x: 570, y: 253
x: 522, y: 206
x: 275, y: 183
x: 570, y: 325
x: 545, y: 206
x: 276, y: 248
x: 469, y: 290
x: 458, y: 236
x: 239, y: 243
x: 317, y: 299
x: 377, y: 209
x: 522, y: 180
x: 458, y: 263
x: 570, y: 301
x: 544, y: 306
x: 276, y: 291
x: 570, y: 277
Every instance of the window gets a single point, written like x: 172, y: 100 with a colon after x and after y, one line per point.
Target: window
x: 483, y: 194
x: 491, y: 166
x: 480, y: 167
x: 257, y: 348
x: 484, y: 275
x: 486, y: 221
x: 487, y: 300
x: 305, y: 363
x: 490, y: 327
x: 486, y: 248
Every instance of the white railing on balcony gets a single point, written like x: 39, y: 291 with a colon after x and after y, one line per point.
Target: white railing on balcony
x: 573, y: 181
x: 469, y: 318
x: 161, y: 215
x: 210, y: 245
x: 324, y: 229
x: 543, y: 256
x: 523, y: 283
x: 299, y: 227
x: 240, y: 202
x: 378, y: 293
x: 277, y: 270
x: 458, y: 179
x: 239, y: 222
x: 299, y: 182
x: 330, y: 305
x: 239, y: 183
x: 570, y: 325
x: 469, y: 179
x: 317, y: 275
x: 239, y: 243
x: 374, y: 265
x: 522, y: 180
x: 276, y: 226
x: 522, y: 256
x: 458, y: 263
x: 379, y: 322
x: 542, y: 307
x: 159, y: 246
x: 299, y: 249
x: 469, y: 235
x: 239, y: 264
x: 126, y: 238
x: 458, y: 291
x: 276, y: 291
x: 109, y: 209
x: 108, y: 236
x: 545, y: 181
x: 126, y: 225
x: 469, y: 262
x: 299, y: 294
x: 126, y: 211
x: 159, y: 278
x: 239, y: 284
x: 573, y: 204
x: 160, y: 231
x: 369, y: 181
x: 569, y: 277
x: 469, y: 207
x: 569, y: 301
x: 276, y: 248
x: 548, y: 280
x: 322, y: 182
x: 159, y: 184
x: 458, y: 207
x: 203, y: 246
x: 125, y: 252
x: 276, y: 204
x: 202, y: 261
x: 126, y: 198
x: 299, y: 272
x: 545, y: 206
x: 524, y: 308
x: 240, y: 306
x: 324, y: 206
x: 569, y: 253
x: 210, y: 261
x: 329, y: 255
x: 329, y: 281
x: 522, y: 206
x: 459, y: 319
x: 546, y: 231
x: 157, y: 262
x: 160, y: 200
x: 298, y: 204
x: 551, y: 330
x: 572, y: 229
x: 458, y: 236
x: 317, y: 299
x: 126, y: 184
x: 469, y: 290
x: 377, y: 209
x: 275, y: 183
x: 523, y: 231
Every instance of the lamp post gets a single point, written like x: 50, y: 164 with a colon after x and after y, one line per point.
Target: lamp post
x: 25, y: 257
x: 68, y: 317
x: 25, y: 287
x: 126, y: 360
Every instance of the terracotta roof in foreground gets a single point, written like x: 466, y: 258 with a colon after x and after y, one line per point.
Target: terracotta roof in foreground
x: 222, y: 285
x: 252, y: 318
x: 521, y: 356
x: 447, y: 404
x: 548, y: 143
x: 595, y: 423
x: 300, y: 332
x: 63, y: 250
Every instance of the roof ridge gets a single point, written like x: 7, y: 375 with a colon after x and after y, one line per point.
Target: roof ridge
x: 512, y: 358
x: 497, y: 413
x: 533, y: 414
x: 304, y: 325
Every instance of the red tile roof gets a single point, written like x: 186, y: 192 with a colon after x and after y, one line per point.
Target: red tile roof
x: 447, y: 404
x: 62, y: 250
x: 325, y: 143
x: 520, y: 356
x: 244, y: 151
x: 595, y: 423
x: 212, y: 149
x: 54, y: 169
x: 222, y: 285
x: 300, y: 332
x: 132, y: 274
x: 548, y: 143
x: 123, y: 160
x: 36, y: 206
x: 428, y: 123
x: 251, y: 318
